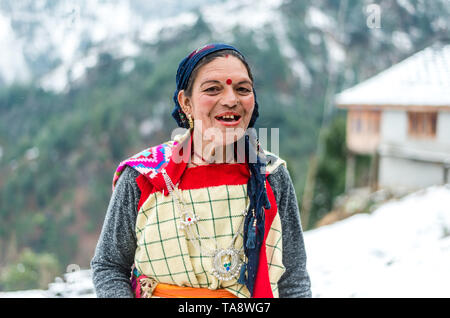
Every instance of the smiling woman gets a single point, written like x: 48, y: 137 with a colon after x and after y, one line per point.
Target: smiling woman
x: 209, y: 213
x: 221, y: 109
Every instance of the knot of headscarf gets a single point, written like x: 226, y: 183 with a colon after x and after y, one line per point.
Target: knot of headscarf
x: 254, y: 225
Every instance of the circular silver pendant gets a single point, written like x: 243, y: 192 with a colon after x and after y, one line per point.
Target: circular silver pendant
x: 226, y: 264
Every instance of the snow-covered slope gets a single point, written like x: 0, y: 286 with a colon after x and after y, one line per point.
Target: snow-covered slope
x: 55, y: 42
x: 402, y: 249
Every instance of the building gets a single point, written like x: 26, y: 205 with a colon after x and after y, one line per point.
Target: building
x: 402, y: 118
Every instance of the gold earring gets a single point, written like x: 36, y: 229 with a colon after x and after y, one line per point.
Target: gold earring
x: 191, y: 122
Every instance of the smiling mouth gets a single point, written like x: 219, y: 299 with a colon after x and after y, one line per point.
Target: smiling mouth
x: 228, y: 118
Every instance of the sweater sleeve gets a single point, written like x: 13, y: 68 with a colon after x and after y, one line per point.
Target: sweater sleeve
x: 295, y: 282
x: 114, y: 254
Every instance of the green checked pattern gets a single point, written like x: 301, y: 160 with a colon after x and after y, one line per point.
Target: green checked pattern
x: 165, y: 254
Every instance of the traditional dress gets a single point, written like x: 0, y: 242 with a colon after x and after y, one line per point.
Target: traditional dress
x: 141, y: 236
x: 217, y: 194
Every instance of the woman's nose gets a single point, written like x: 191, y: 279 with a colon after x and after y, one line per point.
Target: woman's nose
x: 230, y: 97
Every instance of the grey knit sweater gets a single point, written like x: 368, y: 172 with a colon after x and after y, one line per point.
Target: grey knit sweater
x: 114, y: 254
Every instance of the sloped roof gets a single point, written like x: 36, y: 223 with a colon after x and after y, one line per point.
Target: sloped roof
x: 423, y: 79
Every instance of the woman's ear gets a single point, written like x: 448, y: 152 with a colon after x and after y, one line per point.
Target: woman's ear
x: 184, y: 102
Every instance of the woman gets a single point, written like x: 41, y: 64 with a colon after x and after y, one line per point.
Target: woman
x: 209, y: 213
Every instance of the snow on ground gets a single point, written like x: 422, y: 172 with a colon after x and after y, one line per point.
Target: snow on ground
x: 402, y: 249
x: 76, y: 284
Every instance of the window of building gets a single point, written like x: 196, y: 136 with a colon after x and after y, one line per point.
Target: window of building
x: 365, y: 122
x: 422, y: 124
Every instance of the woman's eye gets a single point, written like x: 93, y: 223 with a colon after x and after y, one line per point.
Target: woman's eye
x: 244, y: 90
x: 212, y: 89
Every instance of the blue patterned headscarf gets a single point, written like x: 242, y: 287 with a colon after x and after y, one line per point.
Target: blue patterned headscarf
x: 253, y: 235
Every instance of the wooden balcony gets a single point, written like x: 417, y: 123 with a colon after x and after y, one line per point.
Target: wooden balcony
x: 363, y: 130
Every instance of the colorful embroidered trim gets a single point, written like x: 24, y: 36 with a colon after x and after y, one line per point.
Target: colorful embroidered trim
x: 148, y: 162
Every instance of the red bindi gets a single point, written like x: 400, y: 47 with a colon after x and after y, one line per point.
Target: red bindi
x: 229, y: 81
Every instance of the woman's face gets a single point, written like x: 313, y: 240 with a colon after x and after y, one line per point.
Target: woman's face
x: 222, y: 99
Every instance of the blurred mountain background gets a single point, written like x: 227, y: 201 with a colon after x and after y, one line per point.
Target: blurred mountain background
x: 85, y: 84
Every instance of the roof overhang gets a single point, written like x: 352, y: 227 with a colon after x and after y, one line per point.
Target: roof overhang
x: 420, y: 82
x: 409, y: 108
